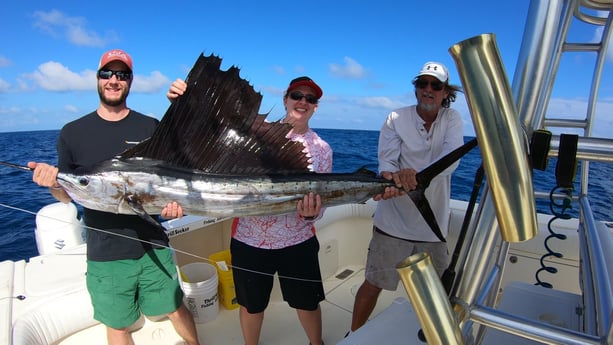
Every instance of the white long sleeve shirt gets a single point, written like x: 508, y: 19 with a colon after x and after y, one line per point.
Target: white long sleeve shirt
x: 405, y: 143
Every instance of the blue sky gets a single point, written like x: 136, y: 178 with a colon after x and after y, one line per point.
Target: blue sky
x: 363, y: 54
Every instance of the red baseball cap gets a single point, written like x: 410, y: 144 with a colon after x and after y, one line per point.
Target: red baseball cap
x: 305, y: 81
x: 115, y: 55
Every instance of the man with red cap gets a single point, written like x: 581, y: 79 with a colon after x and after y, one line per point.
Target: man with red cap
x: 130, y: 268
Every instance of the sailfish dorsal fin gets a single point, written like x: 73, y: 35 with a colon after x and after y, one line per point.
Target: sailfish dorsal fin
x: 215, y: 127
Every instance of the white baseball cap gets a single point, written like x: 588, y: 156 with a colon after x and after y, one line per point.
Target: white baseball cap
x: 435, y: 69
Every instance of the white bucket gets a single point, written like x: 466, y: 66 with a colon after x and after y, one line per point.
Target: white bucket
x: 201, y: 291
x: 58, y: 228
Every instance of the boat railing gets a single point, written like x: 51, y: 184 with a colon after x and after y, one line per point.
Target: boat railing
x: 595, y: 274
x: 545, y: 41
x: 475, y: 292
x: 548, y: 25
x: 596, y: 256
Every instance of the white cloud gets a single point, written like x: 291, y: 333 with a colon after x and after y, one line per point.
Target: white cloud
x: 9, y: 110
x: 71, y: 108
x: 53, y: 76
x: 279, y: 70
x: 81, y: 37
x: 598, y: 35
x: 351, y: 69
x: 154, y: 82
x: 4, y: 61
x: 559, y: 108
x: 73, y: 29
x: 47, y: 21
x: 4, y: 86
x: 22, y: 85
x: 380, y: 102
x: 576, y: 109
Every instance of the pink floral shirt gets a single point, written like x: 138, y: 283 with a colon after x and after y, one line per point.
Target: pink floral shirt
x: 281, y: 231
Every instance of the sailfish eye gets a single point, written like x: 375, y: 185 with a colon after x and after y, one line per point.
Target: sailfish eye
x: 83, y: 181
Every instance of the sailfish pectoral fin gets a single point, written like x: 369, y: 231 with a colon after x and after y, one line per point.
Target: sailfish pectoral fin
x: 137, y: 207
x: 421, y: 202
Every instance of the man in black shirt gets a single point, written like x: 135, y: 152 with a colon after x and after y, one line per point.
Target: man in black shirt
x: 128, y: 245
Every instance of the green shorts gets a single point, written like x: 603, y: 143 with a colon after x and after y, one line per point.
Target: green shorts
x: 120, y: 290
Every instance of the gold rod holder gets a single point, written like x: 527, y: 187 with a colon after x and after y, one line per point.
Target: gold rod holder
x: 429, y: 299
x: 501, y: 140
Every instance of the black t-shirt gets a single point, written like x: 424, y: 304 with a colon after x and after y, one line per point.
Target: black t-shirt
x: 91, y: 140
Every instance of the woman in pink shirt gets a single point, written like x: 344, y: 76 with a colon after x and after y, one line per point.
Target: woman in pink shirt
x: 284, y: 244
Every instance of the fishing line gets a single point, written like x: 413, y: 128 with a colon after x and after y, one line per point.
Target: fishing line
x: 17, y: 209
x: 19, y: 297
x: 159, y: 245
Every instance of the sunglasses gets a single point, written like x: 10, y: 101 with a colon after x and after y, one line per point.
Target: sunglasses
x: 435, y: 85
x: 121, y: 75
x: 297, y: 95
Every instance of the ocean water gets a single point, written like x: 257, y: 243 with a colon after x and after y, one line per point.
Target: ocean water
x: 20, y: 198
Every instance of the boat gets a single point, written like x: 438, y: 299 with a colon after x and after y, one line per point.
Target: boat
x: 518, y: 277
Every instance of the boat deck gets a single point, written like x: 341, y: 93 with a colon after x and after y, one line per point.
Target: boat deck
x: 393, y: 319
x: 281, y: 325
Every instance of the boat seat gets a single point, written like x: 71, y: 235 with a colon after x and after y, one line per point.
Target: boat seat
x: 55, y: 319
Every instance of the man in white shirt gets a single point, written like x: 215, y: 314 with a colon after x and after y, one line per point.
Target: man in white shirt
x: 411, y: 139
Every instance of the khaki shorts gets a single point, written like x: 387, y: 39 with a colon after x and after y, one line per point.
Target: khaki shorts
x: 385, y: 252
x: 120, y: 290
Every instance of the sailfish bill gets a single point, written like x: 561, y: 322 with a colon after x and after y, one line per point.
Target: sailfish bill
x: 216, y: 156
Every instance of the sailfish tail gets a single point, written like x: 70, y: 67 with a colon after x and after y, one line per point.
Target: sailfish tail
x: 424, y: 178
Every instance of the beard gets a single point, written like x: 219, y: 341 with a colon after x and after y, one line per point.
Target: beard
x: 427, y: 107
x: 113, y: 102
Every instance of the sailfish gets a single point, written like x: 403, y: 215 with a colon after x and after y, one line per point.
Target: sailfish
x: 217, y: 156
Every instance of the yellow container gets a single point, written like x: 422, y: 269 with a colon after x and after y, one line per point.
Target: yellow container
x: 227, y: 294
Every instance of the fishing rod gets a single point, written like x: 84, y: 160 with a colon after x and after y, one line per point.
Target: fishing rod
x: 448, y: 277
x: 16, y: 166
